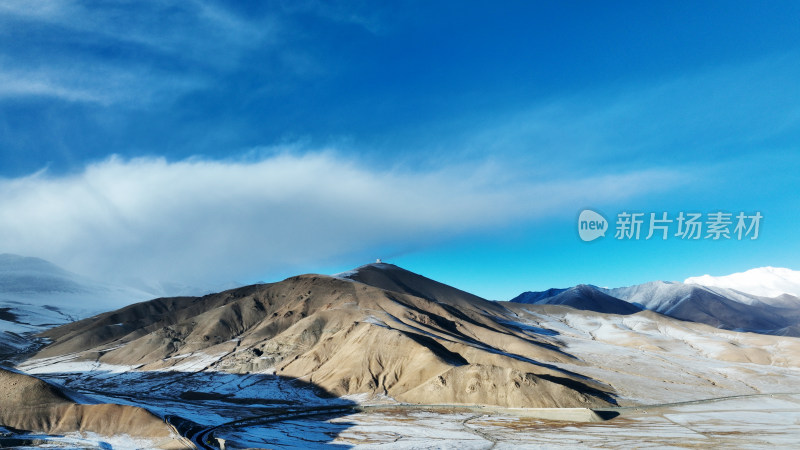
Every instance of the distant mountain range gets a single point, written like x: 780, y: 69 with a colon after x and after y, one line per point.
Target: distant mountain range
x: 720, y: 304
x: 36, y: 295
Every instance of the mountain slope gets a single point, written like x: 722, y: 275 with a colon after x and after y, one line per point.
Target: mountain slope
x: 27, y: 403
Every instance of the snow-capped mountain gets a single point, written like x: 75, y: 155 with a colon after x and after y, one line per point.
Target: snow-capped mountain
x: 36, y: 294
x: 717, y: 305
x: 762, y: 281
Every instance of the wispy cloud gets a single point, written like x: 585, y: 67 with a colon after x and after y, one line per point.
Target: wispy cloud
x: 201, y: 29
x: 349, y: 12
x: 707, y: 115
x: 160, y: 49
x: 104, y: 85
x: 200, y: 221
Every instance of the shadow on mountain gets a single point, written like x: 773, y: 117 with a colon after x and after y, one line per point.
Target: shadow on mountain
x: 246, y: 410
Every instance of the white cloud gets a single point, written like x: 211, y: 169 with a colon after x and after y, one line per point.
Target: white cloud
x: 199, y: 221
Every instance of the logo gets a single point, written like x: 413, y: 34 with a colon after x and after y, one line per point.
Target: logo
x: 689, y: 226
x: 591, y: 225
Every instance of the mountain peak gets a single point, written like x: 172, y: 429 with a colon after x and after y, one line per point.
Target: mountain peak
x: 761, y: 281
x: 390, y: 277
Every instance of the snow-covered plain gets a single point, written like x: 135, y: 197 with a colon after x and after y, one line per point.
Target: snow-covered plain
x: 749, y: 422
x: 649, y: 360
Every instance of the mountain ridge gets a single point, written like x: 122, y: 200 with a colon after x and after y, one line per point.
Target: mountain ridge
x: 582, y: 296
x: 717, y: 306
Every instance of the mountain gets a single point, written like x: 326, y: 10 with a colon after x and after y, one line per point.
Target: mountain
x: 36, y: 295
x: 717, y: 307
x: 532, y: 297
x: 762, y: 282
x: 583, y: 297
x: 379, y: 330
x: 31, y: 404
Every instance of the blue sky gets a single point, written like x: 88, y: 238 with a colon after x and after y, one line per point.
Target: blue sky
x: 202, y: 142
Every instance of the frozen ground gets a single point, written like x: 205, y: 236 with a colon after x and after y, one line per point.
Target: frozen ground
x: 647, y: 360
x: 71, y: 441
x: 748, y: 422
x: 207, y: 398
x: 755, y: 422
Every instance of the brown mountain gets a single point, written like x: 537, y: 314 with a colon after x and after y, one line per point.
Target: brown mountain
x: 377, y: 330
x: 30, y: 404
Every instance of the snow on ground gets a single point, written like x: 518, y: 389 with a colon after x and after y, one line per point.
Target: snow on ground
x: 345, y: 275
x: 25, y: 314
x: 652, y: 361
x: 389, y: 430
x: 752, y: 422
x: 75, y: 440
x: 205, y: 397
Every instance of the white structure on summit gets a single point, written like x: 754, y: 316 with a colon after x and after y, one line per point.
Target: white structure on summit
x: 378, y: 261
